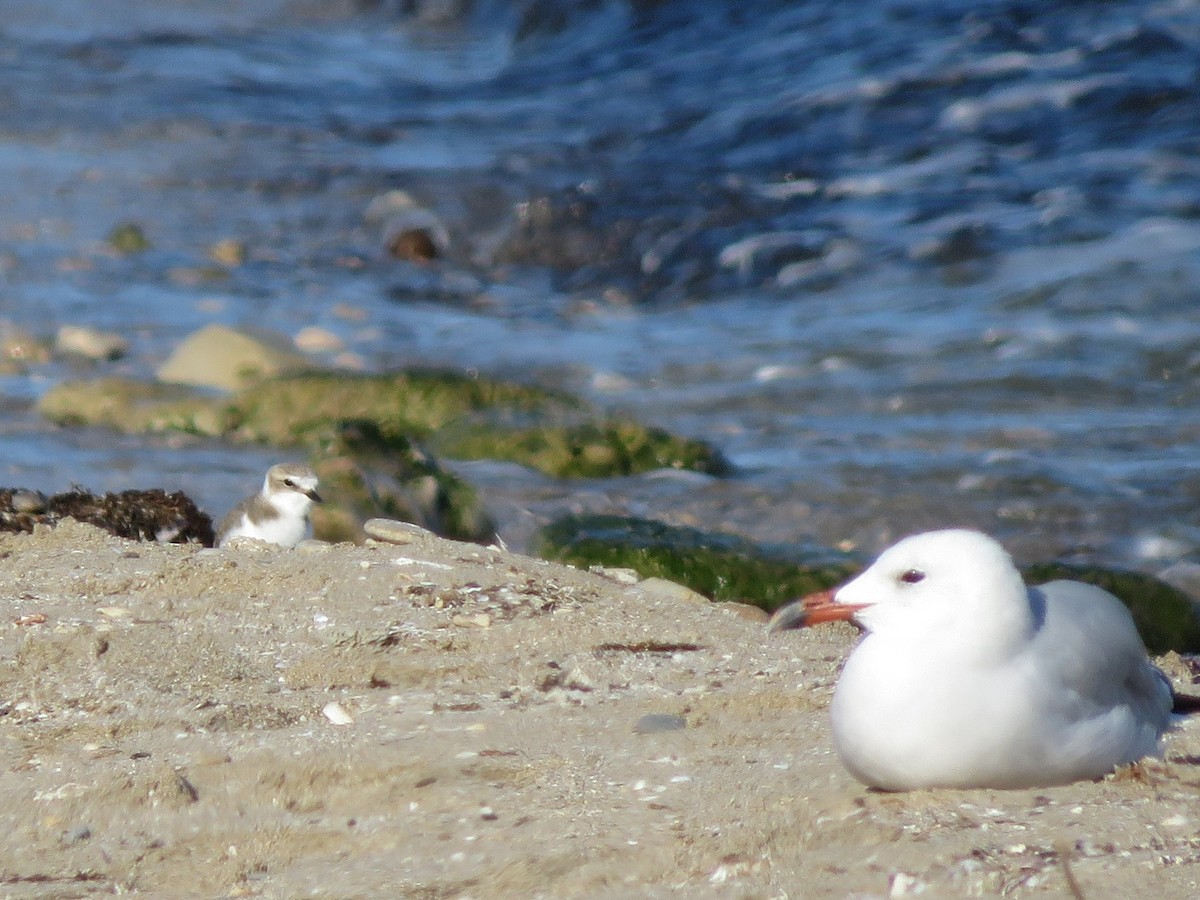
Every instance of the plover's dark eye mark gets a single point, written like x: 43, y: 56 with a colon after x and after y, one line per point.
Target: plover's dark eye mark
x: 912, y: 576
x: 289, y: 482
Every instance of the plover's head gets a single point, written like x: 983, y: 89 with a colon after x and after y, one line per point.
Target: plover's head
x: 291, y: 482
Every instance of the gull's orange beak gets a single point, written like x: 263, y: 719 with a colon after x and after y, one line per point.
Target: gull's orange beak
x: 821, y: 607
x: 813, y: 609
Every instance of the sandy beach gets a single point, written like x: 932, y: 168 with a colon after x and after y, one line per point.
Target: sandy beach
x: 437, y: 719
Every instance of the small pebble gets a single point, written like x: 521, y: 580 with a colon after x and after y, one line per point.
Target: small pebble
x: 90, y: 343
x: 481, y: 620
x: 21, y: 346
x: 228, y: 252
x: 352, y: 361
x: 733, y: 867
x: 745, y: 611
x: 348, y: 313
x: 652, y: 723
x: 620, y: 576
x: 76, y: 835
x: 318, y: 340
x: 663, y: 589
x: 904, y: 885
x: 310, y: 545
x: 427, y: 563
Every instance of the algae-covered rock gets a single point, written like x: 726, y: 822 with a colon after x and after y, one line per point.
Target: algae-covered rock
x: 1165, y: 615
x: 128, y: 238
x: 365, y: 473
x: 720, y: 566
x: 288, y: 411
x: 222, y: 357
x: 587, y: 450
x: 134, y: 407
x: 455, y: 415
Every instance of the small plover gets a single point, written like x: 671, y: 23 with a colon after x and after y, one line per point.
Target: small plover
x: 278, y: 514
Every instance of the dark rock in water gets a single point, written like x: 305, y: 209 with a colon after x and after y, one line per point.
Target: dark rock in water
x: 152, y: 515
x: 414, y: 245
x: 964, y: 244
x: 965, y: 255
x: 719, y: 566
x: 565, y: 232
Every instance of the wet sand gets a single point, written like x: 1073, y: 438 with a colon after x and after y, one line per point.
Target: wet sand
x: 511, y: 729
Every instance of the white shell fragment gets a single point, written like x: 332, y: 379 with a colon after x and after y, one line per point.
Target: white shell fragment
x: 336, y: 713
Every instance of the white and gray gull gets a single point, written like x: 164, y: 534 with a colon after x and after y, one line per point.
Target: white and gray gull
x: 279, y: 513
x: 967, y: 678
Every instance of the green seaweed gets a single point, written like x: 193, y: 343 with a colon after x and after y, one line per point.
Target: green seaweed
x: 133, y: 407
x: 1164, y: 615
x: 285, y: 410
x: 719, y: 566
x: 607, y: 449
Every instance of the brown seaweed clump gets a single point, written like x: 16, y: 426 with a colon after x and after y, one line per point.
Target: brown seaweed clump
x: 152, y: 515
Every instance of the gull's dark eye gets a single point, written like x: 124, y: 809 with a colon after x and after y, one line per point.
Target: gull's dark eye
x: 912, y: 576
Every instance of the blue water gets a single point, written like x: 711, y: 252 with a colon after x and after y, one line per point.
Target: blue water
x: 908, y: 264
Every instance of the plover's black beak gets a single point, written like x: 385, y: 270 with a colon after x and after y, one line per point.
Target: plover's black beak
x: 313, y: 496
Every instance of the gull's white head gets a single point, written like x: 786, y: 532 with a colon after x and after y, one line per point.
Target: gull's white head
x: 936, y: 583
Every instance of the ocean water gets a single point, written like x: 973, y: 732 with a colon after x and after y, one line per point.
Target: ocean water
x: 907, y: 264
